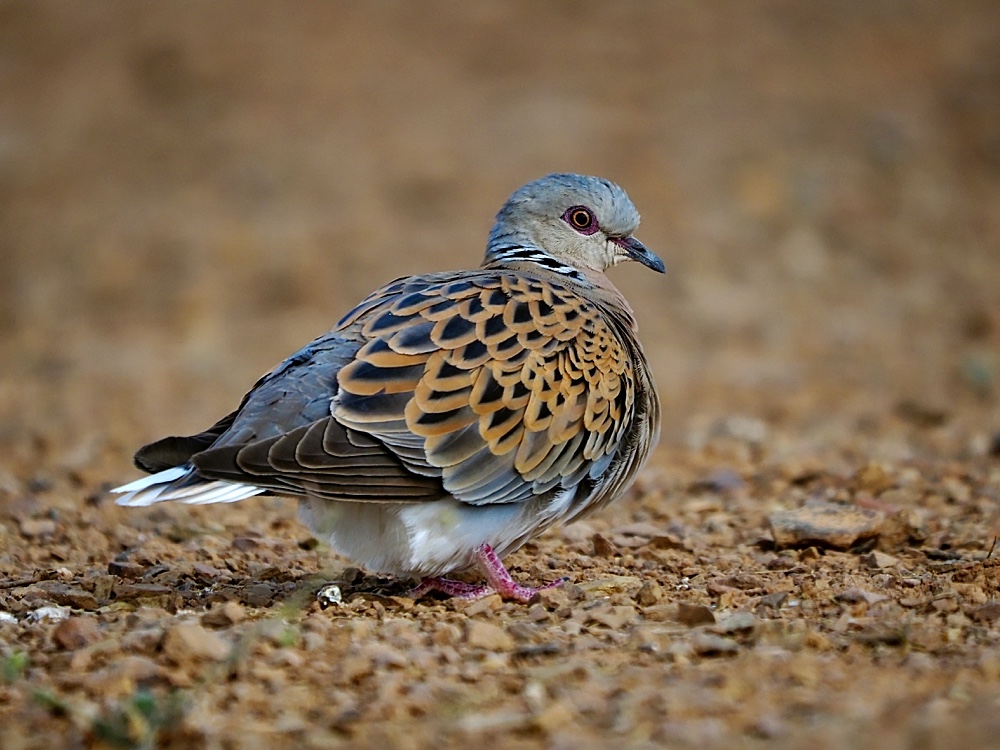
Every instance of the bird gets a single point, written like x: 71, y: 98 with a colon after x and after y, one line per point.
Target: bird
x: 451, y: 417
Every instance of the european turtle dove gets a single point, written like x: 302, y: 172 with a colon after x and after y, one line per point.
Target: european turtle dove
x: 451, y: 417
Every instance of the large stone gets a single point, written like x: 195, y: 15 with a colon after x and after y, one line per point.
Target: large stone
x: 826, y: 524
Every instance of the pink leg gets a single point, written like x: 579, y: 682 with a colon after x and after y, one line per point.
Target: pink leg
x: 498, y: 579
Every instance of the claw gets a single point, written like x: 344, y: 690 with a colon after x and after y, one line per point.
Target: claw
x: 457, y: 589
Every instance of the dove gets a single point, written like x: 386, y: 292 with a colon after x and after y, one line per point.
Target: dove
x: 451, y: 417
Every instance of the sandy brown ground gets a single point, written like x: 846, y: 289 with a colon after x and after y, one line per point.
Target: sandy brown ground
x: 190, y: 191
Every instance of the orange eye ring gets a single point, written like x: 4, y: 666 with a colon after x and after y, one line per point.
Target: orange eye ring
x: 581, y: 218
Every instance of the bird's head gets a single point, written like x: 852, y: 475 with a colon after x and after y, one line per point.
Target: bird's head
x: 584, y: 222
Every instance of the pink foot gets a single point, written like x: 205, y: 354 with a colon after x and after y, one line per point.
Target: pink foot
x: 457, y: 589
x: 499, y: 581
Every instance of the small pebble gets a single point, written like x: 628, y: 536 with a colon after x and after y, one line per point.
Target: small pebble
x: 707, y: 644
x: 602, y: 547
x: 558, y: 714
x: 875, y: 478
x: 188, y: 642
x: 125, y: 569
x: 614, y: 618
x: 735, y: 622
x: 987, y: 612
x: 649, y: 594
x: 55, y: 614
x: 490, y: 603
x: 229, y: 613
x: 71, y: 596
x: 487, y: 636
x: 76, y: 632
x: 857, y: 596
x: 694, y: 614
x: 34, y: 528
x: 774, y: 600
x: 330, y: 596
x: 878, y: 560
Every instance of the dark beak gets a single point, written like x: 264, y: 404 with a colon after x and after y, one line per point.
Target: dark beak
x: 639, y: 252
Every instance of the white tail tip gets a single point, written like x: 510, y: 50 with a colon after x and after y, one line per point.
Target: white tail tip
x: 181, y: 484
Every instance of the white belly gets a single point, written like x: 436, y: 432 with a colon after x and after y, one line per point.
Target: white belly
x: 424, y: 539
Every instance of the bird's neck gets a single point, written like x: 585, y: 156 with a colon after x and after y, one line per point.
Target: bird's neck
x: 509, y: 250
x: 529, y: 258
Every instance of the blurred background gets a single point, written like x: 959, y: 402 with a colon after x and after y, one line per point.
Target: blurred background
x: 191, y: 191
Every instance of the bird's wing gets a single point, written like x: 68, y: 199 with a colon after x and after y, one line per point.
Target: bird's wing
x: 495, y: 385
x: 284, y: 438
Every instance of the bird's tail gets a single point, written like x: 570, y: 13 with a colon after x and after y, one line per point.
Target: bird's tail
x: 183, y: 485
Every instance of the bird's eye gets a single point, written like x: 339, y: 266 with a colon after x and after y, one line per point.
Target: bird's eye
x: 581, y: 219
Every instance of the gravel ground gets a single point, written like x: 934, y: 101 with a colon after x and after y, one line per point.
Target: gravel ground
x: 189, y: 192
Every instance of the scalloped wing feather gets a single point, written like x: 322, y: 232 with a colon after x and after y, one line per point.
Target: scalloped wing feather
x: 503, y: 383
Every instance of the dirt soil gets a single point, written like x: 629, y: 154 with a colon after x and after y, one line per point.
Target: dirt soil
x: 190, y: 191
